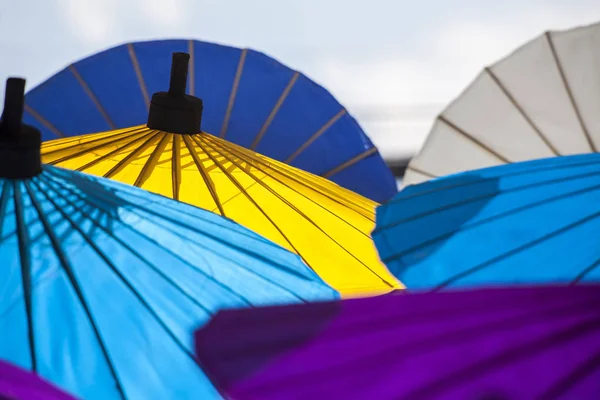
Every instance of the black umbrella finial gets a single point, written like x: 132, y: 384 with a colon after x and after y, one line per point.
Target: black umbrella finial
x: 20, y: 144
x: 174, y: 111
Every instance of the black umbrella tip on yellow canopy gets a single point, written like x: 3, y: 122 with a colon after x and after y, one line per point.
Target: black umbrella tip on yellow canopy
x: 174, y: 111
x: 19, y: 143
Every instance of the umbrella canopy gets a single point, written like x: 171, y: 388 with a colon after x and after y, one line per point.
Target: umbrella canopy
x: 528, y: 222
x: 327, y: 225
x: 251, y: 100
x: 517, y: 344
x: 17, y: 384
x: 540, y: 101
x: 102, y: 283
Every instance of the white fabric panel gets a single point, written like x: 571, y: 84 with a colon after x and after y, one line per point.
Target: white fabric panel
x: 447, y: 151
x: 579, y: 54
x: 532, y: 76
x: 485, y: 112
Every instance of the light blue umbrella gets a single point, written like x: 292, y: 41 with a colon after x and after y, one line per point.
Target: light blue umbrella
x: 102, y: 284
x: 523, y: 223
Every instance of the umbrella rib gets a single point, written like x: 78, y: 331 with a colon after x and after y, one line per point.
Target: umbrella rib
x: 511, y: 355
x: 494, y: 194
x: 316, y: 135
x: 521, y: 111
x: 585, y: 272
x: 118, y: 273
x: 245, y: 158
x: 350, y: 162
x: 518, y: 250
x: 303, y: 215
x: 151, y: 162
x: 125, y: 160
x: 79, y: 140
x: 400, y: 197
x: 484, y: 221
x: 136, y: 253
x: 92, y: 96
x: 561, y: 388
x: 438, y: 341
x: 138, y: 73
x: 43, y: 121
x: 288, y: 174
x: 243, y: 190
x: 25, y: 257
x: 473, y: 140
x: 191, y: 70
x: 176, y: 165
x: 234, y: 89
x: 75, y: 284
x: 83, y: 152
x: 275, y: 110
x: 567, y: 87
x: 207, y: 181
x: 420, y: 171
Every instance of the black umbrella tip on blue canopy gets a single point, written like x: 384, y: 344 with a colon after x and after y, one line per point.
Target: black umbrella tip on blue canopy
x: 20, y: 144
x: 174, y: 111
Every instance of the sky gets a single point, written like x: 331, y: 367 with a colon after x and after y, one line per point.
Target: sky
x: 394, y: 64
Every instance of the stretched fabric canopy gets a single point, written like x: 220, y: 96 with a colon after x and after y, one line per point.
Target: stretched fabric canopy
x: 251, y: 100
x: 542, y: 100
x: 327, y: 225
x: 513, y: 344
x: 17, y: 384
x: 522, y: 223
x: 102, y: 283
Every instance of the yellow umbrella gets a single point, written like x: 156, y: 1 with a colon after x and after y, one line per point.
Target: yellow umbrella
x: 327, y: 225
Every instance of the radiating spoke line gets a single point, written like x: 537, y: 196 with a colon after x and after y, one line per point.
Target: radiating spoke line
x: 92, y: 96
x: 241, y: 188
x: 127, y: 138
x: 523, y: 350
x: 257, y: 256
x: 150, y: 163
x: 66, y: 267
x: 451, y: 184
x: 495, y: 193
x: 207, y: 181
x: 25, y: 258
x: 234, y: 89
x: 496, y: 217
x: 420, y: 171
x: 139, y: 256
x: 122, y: 277
x: 347, y: 164
x: 315, y: 187
x: 176, y: 165
x: 138, y: 73
x: 561, y: 388
x: 310, y: 200
x: 74, y: 141
x: 518, y: 250
x: 153, y: 135
x: 440, y: 340
x: 474, y: 140
x: 37, y: 116
x: 521, y: 111
x: 302, y: 214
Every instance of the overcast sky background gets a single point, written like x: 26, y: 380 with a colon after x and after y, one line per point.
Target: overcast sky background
x: 393, y: 63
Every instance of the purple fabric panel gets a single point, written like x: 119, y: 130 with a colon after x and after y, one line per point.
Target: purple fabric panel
x: 18, y: 384
x: 517, y: 343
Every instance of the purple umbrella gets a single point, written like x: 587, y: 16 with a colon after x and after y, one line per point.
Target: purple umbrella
x: 18, y: 384
x: 515, y: 343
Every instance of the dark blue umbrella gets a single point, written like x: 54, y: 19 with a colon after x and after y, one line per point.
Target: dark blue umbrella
x: 250, y: 99
x: 102, y: 284
x: 524, y: 223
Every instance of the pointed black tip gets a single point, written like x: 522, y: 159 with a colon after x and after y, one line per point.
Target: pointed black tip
x: 19, y: 143
x: 179, y: 73
x: 14, y: 101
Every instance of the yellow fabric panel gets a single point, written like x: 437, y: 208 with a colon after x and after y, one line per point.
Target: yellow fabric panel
x: 327, y: 225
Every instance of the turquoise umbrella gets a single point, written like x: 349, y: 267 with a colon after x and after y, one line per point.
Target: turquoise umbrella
x: 525, y: 223
x: 102, y: 284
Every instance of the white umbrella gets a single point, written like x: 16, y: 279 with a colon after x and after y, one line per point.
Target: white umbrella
x: 540, y: 101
